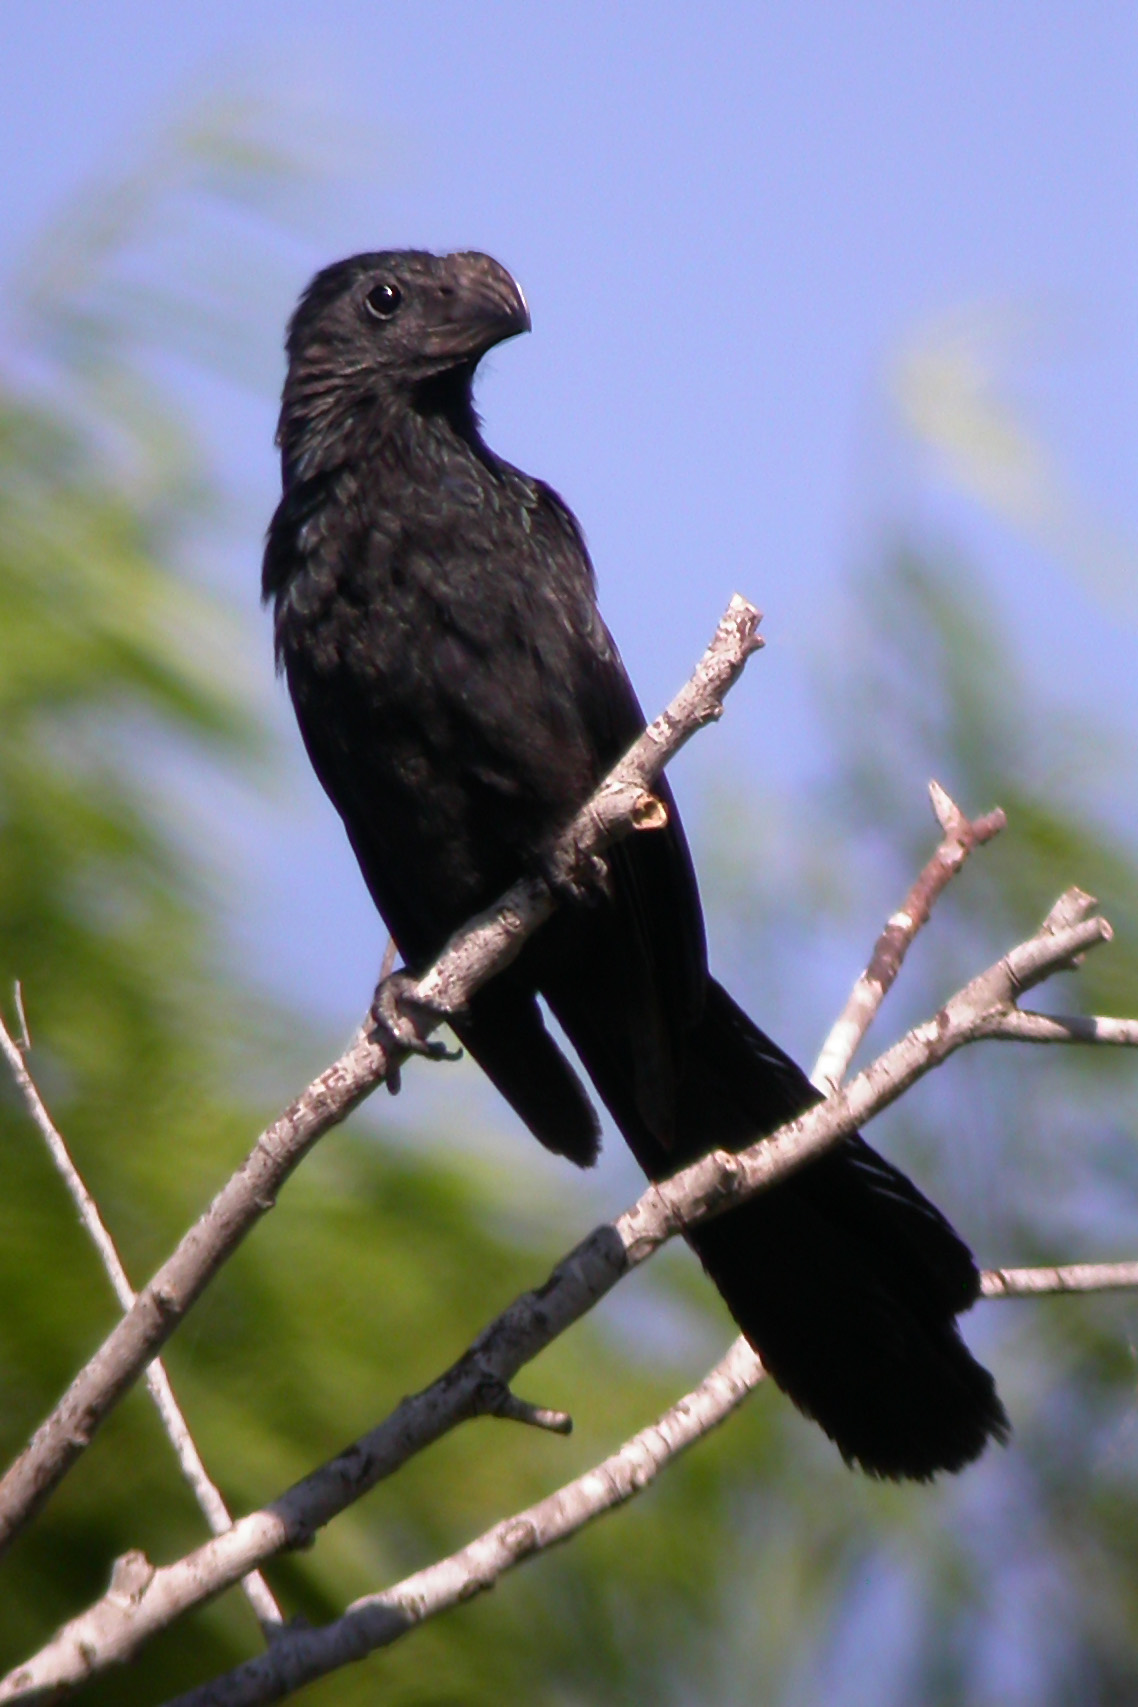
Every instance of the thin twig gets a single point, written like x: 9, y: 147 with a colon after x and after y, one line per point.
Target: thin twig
x: 473, y: 955
x: 514, y: 1409
x: 115, y: 1627
x: 1028, y: 1027
x: 25, y: 1042
x: 207, y: 1494
x: 961, y: 835
x: 1073, y: 1277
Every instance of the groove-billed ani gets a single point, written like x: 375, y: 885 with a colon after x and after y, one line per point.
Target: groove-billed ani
x: 460, y: 697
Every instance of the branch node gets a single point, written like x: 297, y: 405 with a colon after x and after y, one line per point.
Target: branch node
x: 983, y: 829
x: 966, y: 832
x: 519, y: 1536
x: 498, y: 1401
x: 24, y: 1041
x: 131, y: 1576
x: 1072, y: 907
x: 948, y: 814
x: 649, y: 813
x: 960, y: 835
x: 742, y: 619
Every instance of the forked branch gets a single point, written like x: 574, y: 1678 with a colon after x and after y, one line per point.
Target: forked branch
x: 483, y: 947
x: 961, y: 835
x: 115, y: 1627
x: 143, y: 1600
x: 205, y: 1490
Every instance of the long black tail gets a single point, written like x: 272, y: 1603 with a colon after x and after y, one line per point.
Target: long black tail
x: 845, y: 1279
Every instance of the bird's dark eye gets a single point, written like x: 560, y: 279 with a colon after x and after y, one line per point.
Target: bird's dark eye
x: 382, y: 301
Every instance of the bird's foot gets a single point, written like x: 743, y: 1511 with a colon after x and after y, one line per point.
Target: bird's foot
x: 401, y: 1024
x: 583, y: 884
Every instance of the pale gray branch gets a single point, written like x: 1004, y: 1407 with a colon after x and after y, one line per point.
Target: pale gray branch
x: 1073, y: 1277
x: 472, y: 956
x: 378, y: 1620
x: 25, y: 1042
x: 207, y: 1494
x: 1028, y: 1027
x: 113, y: 1629
x: 961, y: 835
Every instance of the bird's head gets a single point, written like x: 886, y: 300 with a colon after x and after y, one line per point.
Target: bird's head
x: 395, y: 320
x: 408, y: 313
x: 384, y: 327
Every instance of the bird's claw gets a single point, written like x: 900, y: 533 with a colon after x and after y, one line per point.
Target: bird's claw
x: 583, y: 884
x: 396, y: 1020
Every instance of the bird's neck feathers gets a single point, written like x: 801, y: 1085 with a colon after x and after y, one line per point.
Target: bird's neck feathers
x: 321, y: 408
x: 332, y: 413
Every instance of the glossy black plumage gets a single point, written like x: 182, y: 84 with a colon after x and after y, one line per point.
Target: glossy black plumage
x: 459, y: 697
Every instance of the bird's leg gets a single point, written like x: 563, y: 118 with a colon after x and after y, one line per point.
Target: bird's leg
x: 582, y: 884
x: 396, y: 1020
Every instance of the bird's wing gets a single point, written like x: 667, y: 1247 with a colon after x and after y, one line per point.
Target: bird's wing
x: 626, y: 975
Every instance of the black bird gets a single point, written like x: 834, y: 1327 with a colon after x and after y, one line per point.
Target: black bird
x: 460, y: 697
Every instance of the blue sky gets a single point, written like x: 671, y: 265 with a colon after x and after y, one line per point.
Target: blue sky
x: 729, y: 221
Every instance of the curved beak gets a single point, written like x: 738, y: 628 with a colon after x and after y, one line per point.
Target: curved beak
x: 479, y: 305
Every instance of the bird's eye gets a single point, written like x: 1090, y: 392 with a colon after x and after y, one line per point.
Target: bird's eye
x: 382, y: 301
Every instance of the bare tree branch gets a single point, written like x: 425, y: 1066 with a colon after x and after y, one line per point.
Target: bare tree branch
x: 961, y: 835
x: 1064, y: 1028
x: 114, y: 1628
x: 207, y: 1494
x: 311, y: 1654
x: 378, y: 1620
x: 1074, y: 1277
x: 299, y: 1656
x: 25, y: 1040
x: 142, y: 1599
x: 484, y: 946
x: 508, y: 1405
